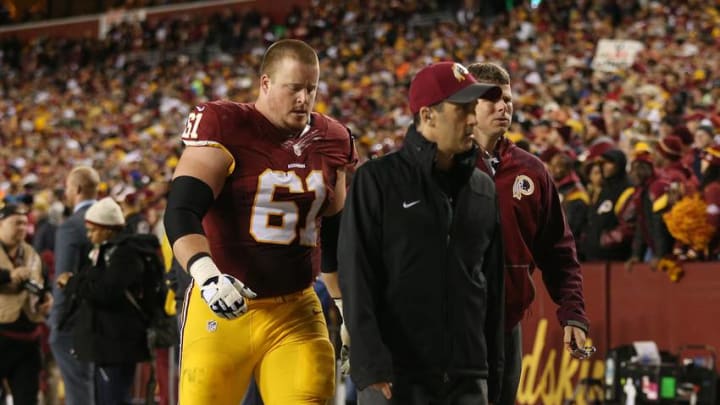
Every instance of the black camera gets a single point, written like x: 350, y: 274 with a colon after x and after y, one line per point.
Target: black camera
x: 34, y: 287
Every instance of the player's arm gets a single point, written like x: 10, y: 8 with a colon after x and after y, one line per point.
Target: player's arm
x: 330, y: 232
x: 329, y: 235
x: 337, y: 203
x: 343, y: 172
x: 329, y: 241
x: 331, y: 227
x: 329, y: 265
x: 198, y: 179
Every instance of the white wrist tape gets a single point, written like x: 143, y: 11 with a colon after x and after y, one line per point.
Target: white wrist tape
x: 338, y: 304
x: 202, y: 269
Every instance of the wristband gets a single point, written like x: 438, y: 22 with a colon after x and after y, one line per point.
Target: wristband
x: 202, y: 269
x: 338, y: 304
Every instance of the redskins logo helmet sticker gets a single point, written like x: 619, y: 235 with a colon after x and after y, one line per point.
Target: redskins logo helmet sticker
x: 460, y: 71
x: 523, y: 186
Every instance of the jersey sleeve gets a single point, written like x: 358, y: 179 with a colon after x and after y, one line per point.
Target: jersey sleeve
x: 344, y: 154
x: 203, y: 128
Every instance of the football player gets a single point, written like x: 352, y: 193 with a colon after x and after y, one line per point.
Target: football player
x: 243, y: 218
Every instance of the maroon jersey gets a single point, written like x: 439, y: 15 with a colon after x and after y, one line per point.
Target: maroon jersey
x: 264, y: 225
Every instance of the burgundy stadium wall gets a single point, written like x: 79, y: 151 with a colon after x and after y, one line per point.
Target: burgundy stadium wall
x: 623, y: 307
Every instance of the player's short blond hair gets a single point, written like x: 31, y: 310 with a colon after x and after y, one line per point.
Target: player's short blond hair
x: 287, y: 48
x: 492, y: 73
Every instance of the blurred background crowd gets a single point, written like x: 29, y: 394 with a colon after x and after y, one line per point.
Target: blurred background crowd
x: 634, y: 149
x: 119, y: 103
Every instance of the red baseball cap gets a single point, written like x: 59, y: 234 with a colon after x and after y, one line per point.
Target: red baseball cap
x: 670, y: 147
x: 447, y: 81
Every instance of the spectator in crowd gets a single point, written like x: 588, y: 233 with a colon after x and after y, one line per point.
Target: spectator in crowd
x: 594, y: 180
x: 595, y: 138
x: 109, y: 331
x: 652, y: 240
x: 129, y: 199
x: 704, y: 138
x: 534, y: 230
x: 45, y: 226
x: 424, y: 305
x: 24, y: 304
x: 669, y: 164
x: 573, y: 196
x: 609, y: 237
x: 71, y: 254
x: 711, y: 194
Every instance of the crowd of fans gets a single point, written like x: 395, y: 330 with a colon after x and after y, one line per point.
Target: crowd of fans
x: 119, y: 103
x: 635, y: 152
x: 17, y: 12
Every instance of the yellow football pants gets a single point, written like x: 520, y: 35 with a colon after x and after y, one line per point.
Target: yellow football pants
x: 282, y: 341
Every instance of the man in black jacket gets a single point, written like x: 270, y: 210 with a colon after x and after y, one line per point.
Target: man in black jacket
x: 420, y: 257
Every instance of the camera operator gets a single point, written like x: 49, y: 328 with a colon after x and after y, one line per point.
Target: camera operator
x: 24, y: 303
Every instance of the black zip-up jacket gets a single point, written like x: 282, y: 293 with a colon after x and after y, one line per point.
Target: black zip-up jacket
x: 421, y: 275
x: 108, y: 329
x: 603, y: 220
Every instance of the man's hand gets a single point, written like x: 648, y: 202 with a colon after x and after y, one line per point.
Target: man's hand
x: 62, y: 279
x: 19, y: 274
x: 384, y: 387
x: 574, y: 342
x: 226, y: 295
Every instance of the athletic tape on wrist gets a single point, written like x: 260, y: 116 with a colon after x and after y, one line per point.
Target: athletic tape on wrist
x: 339, y: 304
x: 195, y: 258
x: 203, y: 268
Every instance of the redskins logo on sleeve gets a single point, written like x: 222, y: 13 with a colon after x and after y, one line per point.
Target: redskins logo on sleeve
x: 523, y: 186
